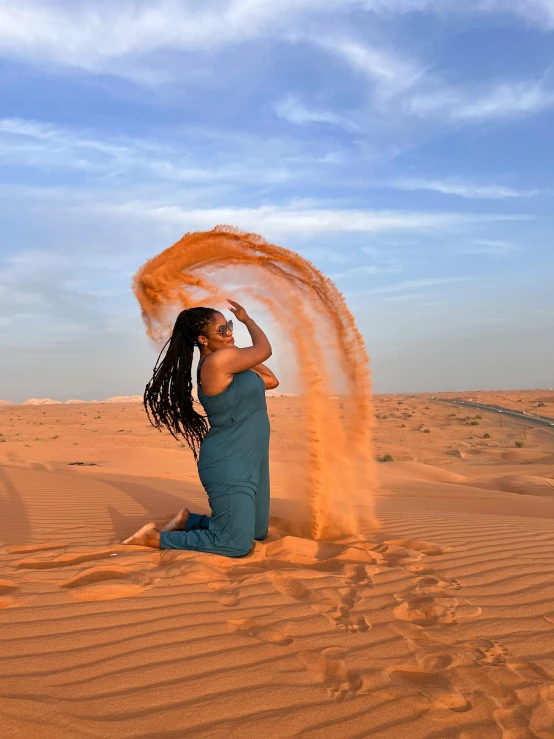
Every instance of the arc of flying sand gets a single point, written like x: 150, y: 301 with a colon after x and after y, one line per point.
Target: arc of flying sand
x: 293, y: 290
x: 331, y: 471
x: 322, y: 458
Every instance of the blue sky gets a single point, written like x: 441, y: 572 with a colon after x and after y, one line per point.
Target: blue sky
x: 404, y: 146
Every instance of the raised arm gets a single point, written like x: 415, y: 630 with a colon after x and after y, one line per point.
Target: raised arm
x: 234, y: 360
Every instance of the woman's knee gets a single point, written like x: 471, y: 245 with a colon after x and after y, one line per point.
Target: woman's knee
x: 234, y: 524
x: 240, y: 540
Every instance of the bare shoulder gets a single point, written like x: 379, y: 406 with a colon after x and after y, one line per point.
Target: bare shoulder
x: 221, y: 356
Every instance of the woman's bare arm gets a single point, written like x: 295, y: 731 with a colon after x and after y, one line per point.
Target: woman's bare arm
x: 234, y: 360
x: 270, y: 381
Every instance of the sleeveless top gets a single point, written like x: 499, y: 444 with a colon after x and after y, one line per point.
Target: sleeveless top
x: 238, y: 440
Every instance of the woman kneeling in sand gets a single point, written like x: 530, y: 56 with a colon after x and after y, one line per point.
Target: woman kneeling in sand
x: 233, y: 456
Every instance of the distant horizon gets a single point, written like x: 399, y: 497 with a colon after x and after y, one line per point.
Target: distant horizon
x: 71, y: 401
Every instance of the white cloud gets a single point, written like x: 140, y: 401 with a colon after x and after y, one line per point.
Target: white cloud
x: 405, y: 87
x: 271, y: 219
x: 539, y: 12
x: 391, y: 73
x: 45, y: 146
x: 464, y: 189
x: 122, y: 39
x: 291, y: 109
x: 492, y: 247
x: 505, y: 100
x: 105, y: 36
x: 399, y: 287
x: 102, y: 36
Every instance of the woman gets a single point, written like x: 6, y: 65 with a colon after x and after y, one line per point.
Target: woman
x: 233, y: 462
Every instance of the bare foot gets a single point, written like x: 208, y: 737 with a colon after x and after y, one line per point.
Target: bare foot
x: 148, y: 536
x: 178, y: 522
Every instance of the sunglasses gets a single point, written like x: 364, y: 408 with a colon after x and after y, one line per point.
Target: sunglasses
x: 223, y: 329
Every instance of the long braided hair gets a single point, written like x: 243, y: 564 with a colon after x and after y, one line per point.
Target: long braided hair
x: 168, y: 397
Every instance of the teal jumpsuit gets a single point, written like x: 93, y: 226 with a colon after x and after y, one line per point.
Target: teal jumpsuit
x: 233, y: 465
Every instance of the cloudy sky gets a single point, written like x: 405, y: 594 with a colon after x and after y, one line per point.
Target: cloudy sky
x: 404, y: 146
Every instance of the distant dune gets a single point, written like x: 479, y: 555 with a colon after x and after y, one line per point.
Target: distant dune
x: 526, y: 484
x: 119, y: 399
x: 40, y: 401
x: 124, y: 399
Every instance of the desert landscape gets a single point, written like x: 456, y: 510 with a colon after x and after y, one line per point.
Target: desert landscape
x: 436, y: 622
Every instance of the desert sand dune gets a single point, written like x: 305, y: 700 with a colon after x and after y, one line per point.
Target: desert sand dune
x: 124, y: 399
x: 417, y: 471
x: 40, y: 401
x: 527, y: 484
x: 437, y: 624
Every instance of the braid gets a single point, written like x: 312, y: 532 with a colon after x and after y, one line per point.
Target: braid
x: 168, y: 397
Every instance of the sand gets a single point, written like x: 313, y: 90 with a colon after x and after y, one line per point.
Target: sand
x: 437, y: 625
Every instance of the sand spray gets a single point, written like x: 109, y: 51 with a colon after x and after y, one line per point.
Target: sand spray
x: 320, y: 330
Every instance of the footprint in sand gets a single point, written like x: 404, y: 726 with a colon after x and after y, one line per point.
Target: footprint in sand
x: 360, y: 575
x: 529, y: 671
x: 7, y: 588
x: 425, y: 548
x: 436, y: 583
x: 542, y: 716
x: 520, y: 710
x: 429, y: 577
x: 266, y: 634
x: 421, y: 569
x: 424, y: 610
x: 337, y: 610
x: 532, y: 718
x: 492, y: 653
x: 394, y: 556
x: 435, y: 652
x: 226, y: 594
x: 406, y: 552
x: 433, y: 685
x: 428, y: 602
x: 288, y: 585
x: 107, y: 583
x: 330, y: 669
x: 511, y: 714
x: 339, y: 615
x: 435, y: 661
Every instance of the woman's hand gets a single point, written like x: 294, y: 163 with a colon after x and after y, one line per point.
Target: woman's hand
x: 234, y: 360
x: 238, y: 311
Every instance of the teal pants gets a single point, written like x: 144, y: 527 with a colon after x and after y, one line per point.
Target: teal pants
x: 239, y: 516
